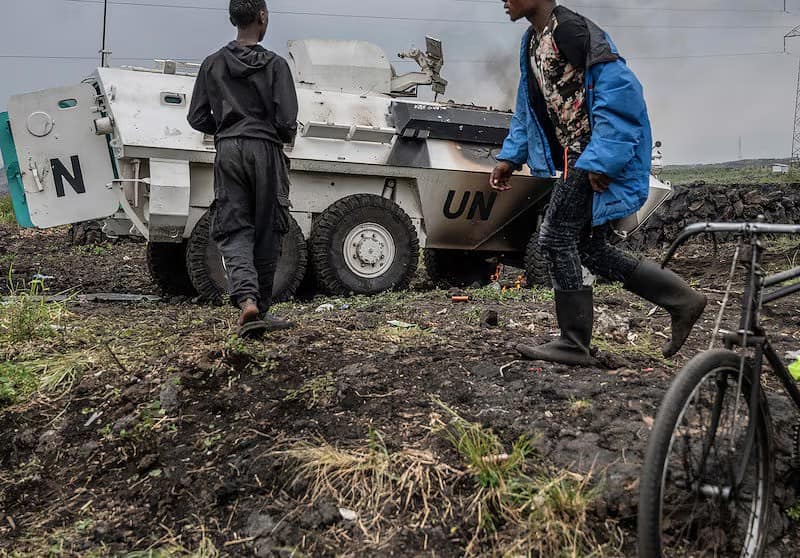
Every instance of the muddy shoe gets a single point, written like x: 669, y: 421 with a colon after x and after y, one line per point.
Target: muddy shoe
x: 575, y: 312
x: 274, y: 323
x: 666, y: 289
x: 250, y: 324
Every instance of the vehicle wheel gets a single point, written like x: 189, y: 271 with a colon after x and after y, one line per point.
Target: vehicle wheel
x: 167, y: 265
x: 364, y: 244
x: 458, y: 268
x: 689, y: 502
x: 87, y: 233
x: 207, y: 272
x: 536, y: 271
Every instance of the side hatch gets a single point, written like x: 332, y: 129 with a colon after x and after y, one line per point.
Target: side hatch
x: 64, y: 165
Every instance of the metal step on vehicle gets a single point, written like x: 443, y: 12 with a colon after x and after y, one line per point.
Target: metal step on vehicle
x: 376, y: 174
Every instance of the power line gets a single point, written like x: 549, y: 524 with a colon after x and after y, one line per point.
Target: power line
x: 79, y: 58
x: 453, y: 61
x: 405, y: 18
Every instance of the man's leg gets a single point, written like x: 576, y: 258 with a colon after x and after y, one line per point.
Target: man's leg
x: 569, y: 215
x: 272, y: 223
x: 603, y: 259
x: 233, y: 230
x: 648, y: 280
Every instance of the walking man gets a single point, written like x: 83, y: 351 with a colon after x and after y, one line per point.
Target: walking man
x: 581, y: 110
x: 245, y: 96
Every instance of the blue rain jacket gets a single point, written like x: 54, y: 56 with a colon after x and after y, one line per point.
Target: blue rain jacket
x: 621, y: 142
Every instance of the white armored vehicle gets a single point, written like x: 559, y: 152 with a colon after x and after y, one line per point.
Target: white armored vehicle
x: 376, y: 174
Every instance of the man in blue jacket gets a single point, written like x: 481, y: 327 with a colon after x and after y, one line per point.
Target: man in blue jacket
x: 581, y: 111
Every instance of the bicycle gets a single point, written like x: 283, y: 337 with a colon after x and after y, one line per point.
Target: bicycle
x: 706, y: 486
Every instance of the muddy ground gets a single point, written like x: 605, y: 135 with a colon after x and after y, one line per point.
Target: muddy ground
x: 167, y: 436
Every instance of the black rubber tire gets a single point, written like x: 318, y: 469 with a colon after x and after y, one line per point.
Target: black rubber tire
x: 458, y: 268
x: 87, y: 233
x: 204, y: 264
x: 331, y: 230
x: 167, y: 265
x: 536, y: 271
x: 659, y: 445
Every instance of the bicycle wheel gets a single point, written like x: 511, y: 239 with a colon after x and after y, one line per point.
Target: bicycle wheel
x: 690, y: 503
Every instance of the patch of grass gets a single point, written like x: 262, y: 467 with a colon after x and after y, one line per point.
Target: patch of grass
x: 372, y: 480
x: 401, y: 335
x: 51, y: 376
x: 315, y: 392
x: 725, y: 175
x: 251, y: 356
x: 643, y: 346
x: 518, y: 507
x: 17, y: 383
x: 527, y: 509
x: 491, y: 294
x: 608, y: 289
x: 27, y: 315
x: 174, y: 549
x: 7, y: 216
x: 793, y: 513
x: 577, y: 406
x: 91, y: 250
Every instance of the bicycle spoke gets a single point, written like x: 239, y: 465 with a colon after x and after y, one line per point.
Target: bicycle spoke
x: 707, y: 513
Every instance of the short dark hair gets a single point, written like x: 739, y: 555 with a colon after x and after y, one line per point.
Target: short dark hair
x: 245, y: 12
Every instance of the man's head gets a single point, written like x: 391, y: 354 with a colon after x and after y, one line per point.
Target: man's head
x: 518, y: 9
x: 250, y: 15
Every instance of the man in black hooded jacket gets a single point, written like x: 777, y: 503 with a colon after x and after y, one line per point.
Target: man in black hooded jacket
x: 245, y: 96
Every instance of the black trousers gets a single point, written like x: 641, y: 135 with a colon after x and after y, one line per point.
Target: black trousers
x: 251, y: 215
x: 569, y: 241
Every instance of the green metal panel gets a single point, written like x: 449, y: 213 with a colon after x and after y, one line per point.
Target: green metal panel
x: 13, y: 173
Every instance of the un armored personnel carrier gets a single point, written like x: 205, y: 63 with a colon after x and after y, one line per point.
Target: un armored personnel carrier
x: 376, y: 174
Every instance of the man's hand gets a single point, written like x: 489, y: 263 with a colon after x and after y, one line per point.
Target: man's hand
x: 500, y: 181
x: 599, y: 182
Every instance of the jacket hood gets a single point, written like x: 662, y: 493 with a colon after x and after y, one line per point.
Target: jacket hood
x: 244, y: 61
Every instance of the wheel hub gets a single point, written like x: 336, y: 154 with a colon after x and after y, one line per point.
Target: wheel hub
x: 369, y: 250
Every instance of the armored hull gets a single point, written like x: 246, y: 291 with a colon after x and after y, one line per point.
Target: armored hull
x: 375, y: 173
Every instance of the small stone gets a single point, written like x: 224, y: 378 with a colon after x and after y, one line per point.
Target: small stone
x: 49, y: 442
x: 146, y: 463
x: 486, y: 371
x: 490, y: 318
x: 25, y: 439
x: 259, y: 525
x: 125, y: 423
x: 88, y: 449
x: 168, y: 397
x: 348, y: 515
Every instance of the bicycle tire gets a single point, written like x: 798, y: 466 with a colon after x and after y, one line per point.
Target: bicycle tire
x: 654, y: 476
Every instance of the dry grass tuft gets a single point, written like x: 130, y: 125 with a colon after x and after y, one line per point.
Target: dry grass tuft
x: 522, y: 507
x: 374, y: 481
x: 514, y: 506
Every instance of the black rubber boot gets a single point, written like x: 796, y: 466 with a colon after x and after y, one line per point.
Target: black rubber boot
x: 575, y: 312
x: 664, y: 288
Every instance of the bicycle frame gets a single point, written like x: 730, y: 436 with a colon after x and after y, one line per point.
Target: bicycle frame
x: 750, y: 335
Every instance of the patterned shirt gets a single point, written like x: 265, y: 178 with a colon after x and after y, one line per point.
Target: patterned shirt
x: 563, y: 87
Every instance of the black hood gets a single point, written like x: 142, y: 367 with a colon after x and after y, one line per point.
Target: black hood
x: 244, y: 61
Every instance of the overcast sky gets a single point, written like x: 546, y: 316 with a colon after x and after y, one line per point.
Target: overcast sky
x: 700, y: 106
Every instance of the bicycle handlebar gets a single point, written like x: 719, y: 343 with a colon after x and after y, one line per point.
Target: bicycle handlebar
x: 753, y: 229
